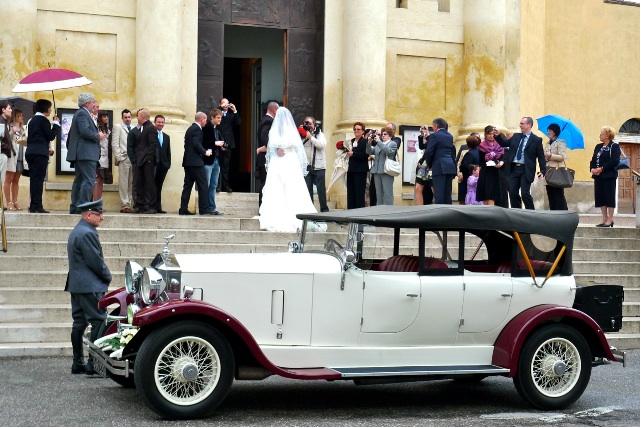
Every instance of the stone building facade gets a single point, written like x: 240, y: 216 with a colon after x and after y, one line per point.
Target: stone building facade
x: 407, y: 61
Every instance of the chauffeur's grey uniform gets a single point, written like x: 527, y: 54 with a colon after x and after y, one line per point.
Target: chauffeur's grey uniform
x: 87, y: 282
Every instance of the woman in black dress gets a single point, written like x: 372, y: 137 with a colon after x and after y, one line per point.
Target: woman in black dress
x: 603, y: 167
x: 488, y: 188
x: 472, y: 157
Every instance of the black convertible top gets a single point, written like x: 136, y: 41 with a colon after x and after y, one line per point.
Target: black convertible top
x: 559, y: 225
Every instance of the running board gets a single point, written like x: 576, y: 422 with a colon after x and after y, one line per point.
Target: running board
x: 359, y: 372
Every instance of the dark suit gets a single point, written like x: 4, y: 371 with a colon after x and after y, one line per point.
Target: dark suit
x: 605, y: 184
x: 228, y: 125
x: 163, y: 163
x: 145, y: 148
x: 83, y: 151
x: 194, y: 169
x: 522, y: 174
x: 263, y: 139
x: 357, y: 168
x: 87, y: 281
x: 132, y: 141
x: 440, y: 157
x: 40, y: 134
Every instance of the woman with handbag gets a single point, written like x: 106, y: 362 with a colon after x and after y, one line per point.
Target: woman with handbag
x: 555, y: 155
x: 385, y: 166
x: 604, y: 170
x: 18, y: 137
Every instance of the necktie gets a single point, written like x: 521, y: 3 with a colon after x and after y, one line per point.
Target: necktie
x: 160, y: 138
x: 519, y: 151
x: 128, y: 128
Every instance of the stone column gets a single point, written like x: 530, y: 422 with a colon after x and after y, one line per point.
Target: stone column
x: 363, y: 29
x: 484, y: 64
x: 17, y: 49
x: 162, y: 66
x: 158, y: 57
x: 364, y: 56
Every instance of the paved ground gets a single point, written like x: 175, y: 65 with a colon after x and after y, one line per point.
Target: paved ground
x: 42, y: 392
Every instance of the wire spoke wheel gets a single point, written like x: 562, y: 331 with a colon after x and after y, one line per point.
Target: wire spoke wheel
x: 187, y: 370
x: 556, y: 367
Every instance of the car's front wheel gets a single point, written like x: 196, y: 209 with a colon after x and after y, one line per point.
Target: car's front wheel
x: 184, y: 370
x: 554, y: 367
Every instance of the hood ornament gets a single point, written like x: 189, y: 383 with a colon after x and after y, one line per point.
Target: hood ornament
x: 165, y: 248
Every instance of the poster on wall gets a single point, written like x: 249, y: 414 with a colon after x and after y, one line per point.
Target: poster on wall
x: 411, y: 152
x: 62, y: 166
x: 66, y: 116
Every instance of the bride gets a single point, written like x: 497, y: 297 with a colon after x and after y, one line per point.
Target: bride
x: 285, y: 193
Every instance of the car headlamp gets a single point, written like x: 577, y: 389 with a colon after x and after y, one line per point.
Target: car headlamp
x: 133, y: 276
x: 152, y: 286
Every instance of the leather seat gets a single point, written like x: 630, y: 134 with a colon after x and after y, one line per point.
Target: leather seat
x: 403, y: 263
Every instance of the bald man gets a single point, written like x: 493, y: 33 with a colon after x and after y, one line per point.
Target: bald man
x: 194, y: 165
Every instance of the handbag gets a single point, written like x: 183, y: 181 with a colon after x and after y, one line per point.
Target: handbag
x: 624, y: 161
x: 392, y: 167
x: 561, y: 177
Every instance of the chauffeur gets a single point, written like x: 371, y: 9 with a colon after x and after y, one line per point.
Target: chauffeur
x: 87, y: 281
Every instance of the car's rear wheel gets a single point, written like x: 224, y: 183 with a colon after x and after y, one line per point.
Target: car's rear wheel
x: 554, y: 367
x: 184, y: 370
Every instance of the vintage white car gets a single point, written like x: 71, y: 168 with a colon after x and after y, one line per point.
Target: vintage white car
x: 465, y: 292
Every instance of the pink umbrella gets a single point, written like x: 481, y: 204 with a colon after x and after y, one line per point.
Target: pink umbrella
x: 51, y: 79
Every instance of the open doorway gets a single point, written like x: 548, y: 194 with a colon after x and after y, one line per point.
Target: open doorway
x: 253, y: 74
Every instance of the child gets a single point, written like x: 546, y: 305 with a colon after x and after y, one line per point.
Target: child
x: 470, y: 196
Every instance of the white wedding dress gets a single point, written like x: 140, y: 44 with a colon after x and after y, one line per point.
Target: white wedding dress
x: 285, y: 192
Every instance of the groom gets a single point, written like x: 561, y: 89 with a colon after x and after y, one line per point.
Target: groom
x: 263, y: 139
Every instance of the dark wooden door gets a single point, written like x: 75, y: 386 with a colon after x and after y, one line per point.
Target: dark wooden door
x: 627, y: 188
x: 303, y: 21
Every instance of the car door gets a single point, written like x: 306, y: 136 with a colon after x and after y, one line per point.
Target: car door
x: 391, y: 301
x: 486, y: 301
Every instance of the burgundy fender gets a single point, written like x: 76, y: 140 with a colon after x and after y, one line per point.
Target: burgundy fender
x: 507, y: 347
x: 118, y: 296
x: 178, y: 308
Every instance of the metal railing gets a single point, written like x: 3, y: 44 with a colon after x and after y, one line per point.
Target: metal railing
x: 3, y: 223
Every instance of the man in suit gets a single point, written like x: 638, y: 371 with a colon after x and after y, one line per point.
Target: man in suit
x: 83, y: 151
x: 263, y: 139
x: 195, y: 167
x: 440, y: 156
x: 132, y: 141
x: 119, y: 138
x: 163, y: 159
x: 87, y: 281
x: 145, y: 164
x: 231, y: 120
x: 525, y: 148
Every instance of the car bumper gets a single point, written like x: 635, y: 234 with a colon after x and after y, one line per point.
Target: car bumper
x: 103, y: 363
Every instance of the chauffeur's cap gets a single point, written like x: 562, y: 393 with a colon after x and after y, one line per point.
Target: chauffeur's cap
x: 95, y: 206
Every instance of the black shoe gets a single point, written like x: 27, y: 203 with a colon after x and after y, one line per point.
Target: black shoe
x: 89, y: 370
x: 70, y: 211
x: 228, y: 190
x: 39, y: 211
x: 216, y: 212
x: 185, y: 212
x: 78, y: 368
x: 148, y: 211
x: 161, y: 212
